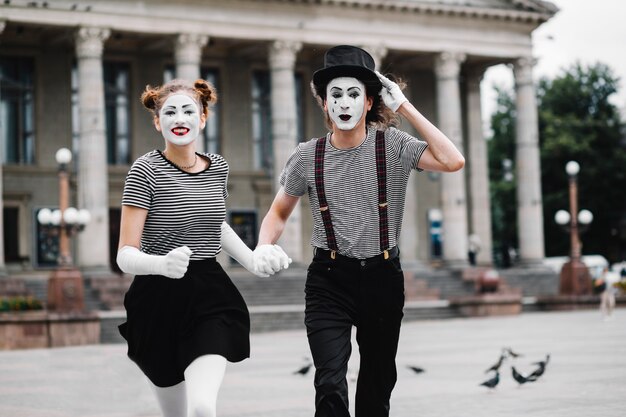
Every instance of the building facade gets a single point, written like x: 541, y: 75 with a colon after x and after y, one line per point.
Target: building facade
x: 72, y: 74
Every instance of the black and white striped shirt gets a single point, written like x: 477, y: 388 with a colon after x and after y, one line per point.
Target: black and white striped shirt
x: 351, y: 189
x: 183, y: 208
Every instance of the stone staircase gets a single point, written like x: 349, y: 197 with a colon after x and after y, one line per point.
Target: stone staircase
x: 107, y: 293
x: 277, y: 303
x: 446, y: 283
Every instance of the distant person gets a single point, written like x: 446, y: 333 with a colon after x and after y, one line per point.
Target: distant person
x: 473, y: 246
x: 607, y: 297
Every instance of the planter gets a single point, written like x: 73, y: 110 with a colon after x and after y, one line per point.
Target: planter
x: 41, y: 329
x: 23, y: 330
x: 574, y: 302
x: 491, y: 304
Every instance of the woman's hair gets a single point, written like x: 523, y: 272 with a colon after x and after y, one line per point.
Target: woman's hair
x: 379, y: 116
x: 201, y: 90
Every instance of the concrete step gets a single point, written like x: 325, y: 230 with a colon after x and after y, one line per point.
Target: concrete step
x: 283, y: 317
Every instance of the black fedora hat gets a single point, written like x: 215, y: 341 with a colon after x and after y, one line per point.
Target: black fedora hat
x: 347, y: 61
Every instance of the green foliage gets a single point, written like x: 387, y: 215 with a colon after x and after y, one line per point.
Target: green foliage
x: 501, y: 147
x: 19, y: 303
x: 576, y: 122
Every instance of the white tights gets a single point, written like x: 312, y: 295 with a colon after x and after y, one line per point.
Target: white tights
x: 196, y: 396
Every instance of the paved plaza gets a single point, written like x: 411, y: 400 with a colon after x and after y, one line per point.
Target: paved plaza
x: 586, y: 375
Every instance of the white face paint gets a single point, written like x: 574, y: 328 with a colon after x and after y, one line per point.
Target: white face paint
x: 345, y: 101
x: 180, y: 119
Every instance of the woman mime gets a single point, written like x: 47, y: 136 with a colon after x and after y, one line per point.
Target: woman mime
x: 185, y: 317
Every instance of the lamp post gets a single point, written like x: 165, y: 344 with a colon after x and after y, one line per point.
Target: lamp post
x: 575, y: 278
x: 65, y: 286
x: 507, y: 170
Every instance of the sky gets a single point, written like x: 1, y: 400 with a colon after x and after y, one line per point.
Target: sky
x: 583, y: 30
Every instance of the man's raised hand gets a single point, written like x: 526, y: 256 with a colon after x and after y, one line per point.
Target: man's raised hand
x: 391, y: 93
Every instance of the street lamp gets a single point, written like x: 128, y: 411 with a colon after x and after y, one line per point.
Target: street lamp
x: 575, y: 278
x: 507, y: 169
x: 65, y: 287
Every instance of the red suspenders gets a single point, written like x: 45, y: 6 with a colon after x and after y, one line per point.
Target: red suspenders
x: 381, y: 174
x: 320, y: 148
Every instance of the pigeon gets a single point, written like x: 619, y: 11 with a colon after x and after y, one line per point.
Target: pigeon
x: 497, y: 365
x: 491, y: 383
x: 541, y: 368
x: 521, y: 379
x: 513, y: 354
x: 416, y: 369
x: 304, y: 370
x: 543, y: 363
x: 538, y: 372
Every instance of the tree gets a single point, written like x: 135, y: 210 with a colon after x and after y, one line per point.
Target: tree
x: 501, y: 148
x: 576, y: 122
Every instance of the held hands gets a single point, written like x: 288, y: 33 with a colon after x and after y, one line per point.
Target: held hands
x: 269, y: 259
x: 175, y: 263
x: 391, y: 93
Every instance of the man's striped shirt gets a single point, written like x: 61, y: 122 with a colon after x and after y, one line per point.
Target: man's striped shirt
x: 183, y: 208
x: 352, y: 191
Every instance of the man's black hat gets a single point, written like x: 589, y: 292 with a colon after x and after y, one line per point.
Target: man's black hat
x: 347, y: 61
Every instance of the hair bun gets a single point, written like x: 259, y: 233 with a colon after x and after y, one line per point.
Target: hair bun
x: 206, y: 91
x: 149, y: 98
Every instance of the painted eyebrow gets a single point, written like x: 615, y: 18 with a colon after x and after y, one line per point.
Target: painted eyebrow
x: 173, y: 107
x: 350, y: 88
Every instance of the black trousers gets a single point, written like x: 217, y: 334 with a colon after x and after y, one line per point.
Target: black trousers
x: 368, y: 294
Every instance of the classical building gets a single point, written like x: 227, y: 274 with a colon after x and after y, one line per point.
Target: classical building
x: 72, y: 73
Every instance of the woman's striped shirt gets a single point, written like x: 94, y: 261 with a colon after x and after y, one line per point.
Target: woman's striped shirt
x: 183, y: 208
x: 351, y: 189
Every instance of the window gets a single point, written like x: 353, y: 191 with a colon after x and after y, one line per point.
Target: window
x: 115, y: 218
x: 47, y: 243
x: 300, y: 108
x: 11, y: 234
x: 244, y: 223
x: 262, y: 117
x: 262, y: 120
x: 117, y: 105
x: 17, y: 135
x: 212, y: 132
x: 75, y: 117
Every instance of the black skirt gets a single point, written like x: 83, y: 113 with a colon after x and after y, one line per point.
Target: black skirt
x: 171, y: 322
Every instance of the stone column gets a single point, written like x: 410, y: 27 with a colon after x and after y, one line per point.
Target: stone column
x: 188, y: 56
x: 454, y: 205
x: 409, y: 241
x: 282, y: 58
x: 528, y: 170
x: 93, y: 181
x: 478, y: 168
x: 378, y: 52
x: 3, y: 271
